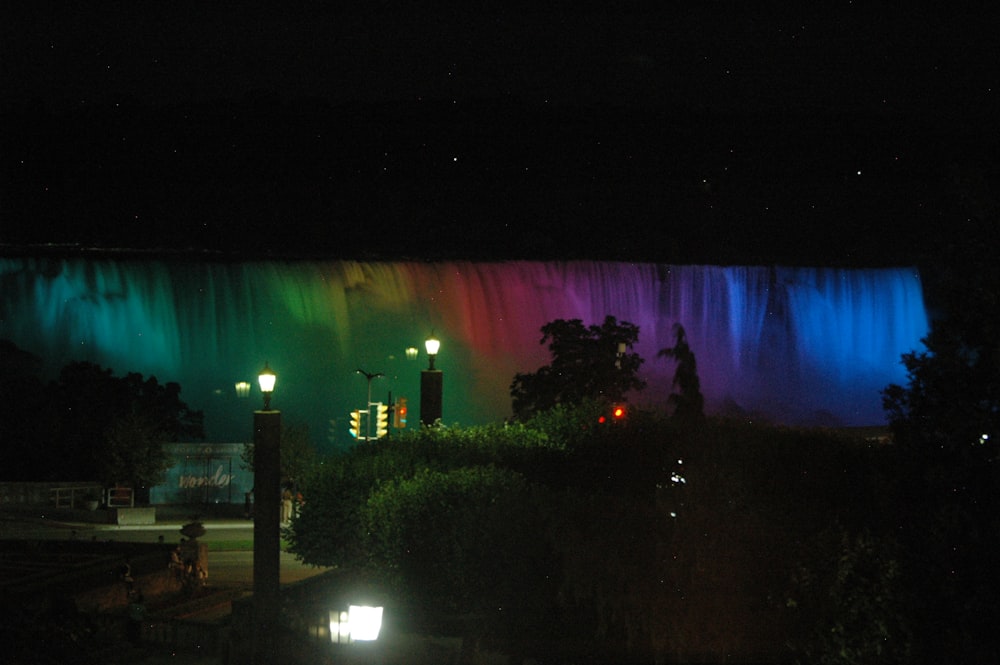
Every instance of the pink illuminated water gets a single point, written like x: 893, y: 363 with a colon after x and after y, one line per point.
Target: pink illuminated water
x: 799, y: 345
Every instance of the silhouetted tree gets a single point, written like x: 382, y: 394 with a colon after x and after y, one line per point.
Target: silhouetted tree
x: 93, y: 414
x: 131, y: 453
x: 22, y: 420
x: 585, y: 365
x: 688, y: 402
x: 945, y: 425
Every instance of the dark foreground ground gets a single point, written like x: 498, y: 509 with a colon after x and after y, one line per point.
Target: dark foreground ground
x: 61, y: 570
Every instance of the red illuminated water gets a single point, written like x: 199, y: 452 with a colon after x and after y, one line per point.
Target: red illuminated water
x: 801, y: 345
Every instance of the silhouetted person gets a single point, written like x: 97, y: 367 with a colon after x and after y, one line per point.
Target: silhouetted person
x: 125, y: 572
x: 286, y: 506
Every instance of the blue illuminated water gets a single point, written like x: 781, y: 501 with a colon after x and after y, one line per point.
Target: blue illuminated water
x: 795, y: 345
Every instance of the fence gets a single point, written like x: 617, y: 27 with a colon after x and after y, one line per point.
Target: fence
x: 48, y: 494
x: 73, y: 496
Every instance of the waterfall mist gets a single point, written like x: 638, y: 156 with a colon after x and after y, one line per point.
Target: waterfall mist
x: 794, y: 345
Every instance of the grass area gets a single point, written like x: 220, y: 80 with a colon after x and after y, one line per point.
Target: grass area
x: 239, y: 545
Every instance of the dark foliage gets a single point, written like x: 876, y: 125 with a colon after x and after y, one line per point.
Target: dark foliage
x: 945, y: 422
x: 624, y: 539
x: 687, y: 401
x: 78, y: 425
x: 22, y: 422
x: 586, y: 364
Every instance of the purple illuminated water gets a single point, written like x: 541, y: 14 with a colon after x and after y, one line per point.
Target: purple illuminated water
x: 799, y: 345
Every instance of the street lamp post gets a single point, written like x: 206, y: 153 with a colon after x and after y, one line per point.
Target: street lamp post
x: 431, y: 386
x: 266, y: 528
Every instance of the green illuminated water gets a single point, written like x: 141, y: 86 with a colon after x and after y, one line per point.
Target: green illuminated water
x: 800, y: 344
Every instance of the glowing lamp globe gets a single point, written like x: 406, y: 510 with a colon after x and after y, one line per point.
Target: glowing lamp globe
x: 266, y: 380
x: 432, y: 345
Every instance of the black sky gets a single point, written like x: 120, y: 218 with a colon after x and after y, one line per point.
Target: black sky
x: 681, y: 131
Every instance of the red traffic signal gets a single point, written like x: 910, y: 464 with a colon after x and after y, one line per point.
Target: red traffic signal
x: 618, y: 413
x: 399, y: 413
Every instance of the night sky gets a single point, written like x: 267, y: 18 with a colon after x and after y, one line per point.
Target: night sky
x: 674, y: 132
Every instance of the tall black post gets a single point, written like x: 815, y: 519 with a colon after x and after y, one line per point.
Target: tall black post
x: 266, y: 535
x: 431, y: 388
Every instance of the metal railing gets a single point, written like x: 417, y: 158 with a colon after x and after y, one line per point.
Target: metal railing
x: 74, y: 496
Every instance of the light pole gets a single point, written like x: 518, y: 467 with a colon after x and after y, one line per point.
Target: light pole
x: 266, y: 527
x: 368, y: 404
x: 431, y: 386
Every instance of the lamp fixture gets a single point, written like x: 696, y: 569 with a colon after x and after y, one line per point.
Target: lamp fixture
x: 266, y: 378
x: 432, y: 345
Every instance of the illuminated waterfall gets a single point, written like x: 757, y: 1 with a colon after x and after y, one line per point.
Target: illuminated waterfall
x: 796, y: 345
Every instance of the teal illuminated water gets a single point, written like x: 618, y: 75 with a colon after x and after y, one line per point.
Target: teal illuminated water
x: 797, y: 345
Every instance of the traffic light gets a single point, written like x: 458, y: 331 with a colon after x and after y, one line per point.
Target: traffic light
x: 399, y: 414
x: 381, y: 420
x: 356, y: 425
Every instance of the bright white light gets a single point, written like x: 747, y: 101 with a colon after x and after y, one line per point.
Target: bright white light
x: 364, y: 622
x: 340, y: 628
x: 983, y: 438
x: 359, y: 624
